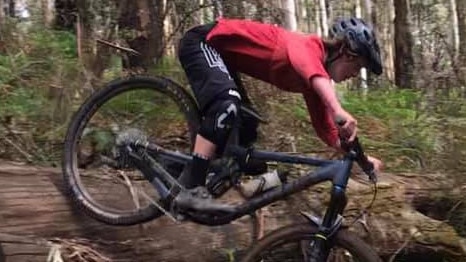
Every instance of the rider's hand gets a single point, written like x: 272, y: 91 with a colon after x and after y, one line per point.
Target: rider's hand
x: 348, y: 130
x: 378, y: 164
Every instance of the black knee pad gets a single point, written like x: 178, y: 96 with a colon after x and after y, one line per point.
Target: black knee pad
x: 218, y: 121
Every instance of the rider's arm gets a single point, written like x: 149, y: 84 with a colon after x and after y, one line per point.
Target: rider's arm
x: 322, y: 119
x: 326, y: 91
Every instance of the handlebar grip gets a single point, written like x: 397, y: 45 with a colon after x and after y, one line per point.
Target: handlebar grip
x: 362, y: 160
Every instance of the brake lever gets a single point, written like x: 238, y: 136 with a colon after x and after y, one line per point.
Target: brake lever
x: 362, y: 160
x: 370, y: 172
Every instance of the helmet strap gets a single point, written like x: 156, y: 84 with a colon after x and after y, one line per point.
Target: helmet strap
x: 331, y: 57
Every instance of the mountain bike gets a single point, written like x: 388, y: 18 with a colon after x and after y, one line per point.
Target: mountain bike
x: 125, y: 154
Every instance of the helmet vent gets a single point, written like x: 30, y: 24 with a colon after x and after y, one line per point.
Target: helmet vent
x: 367, y: 36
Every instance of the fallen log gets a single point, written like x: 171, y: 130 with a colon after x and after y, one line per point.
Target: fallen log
x: 36, y: 211
x: 34, y: 206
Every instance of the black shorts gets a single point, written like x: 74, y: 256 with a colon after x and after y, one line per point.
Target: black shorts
x: 207, y: 73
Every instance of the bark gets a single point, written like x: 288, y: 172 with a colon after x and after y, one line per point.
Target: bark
x: 318, y: 21
x: 461, y: 13
x: 324, y: 19
x: 21, y: 248
x: 35, y: 209
x: 65, y: 14
x: 289, y: 10
x: 371, y: 17
x: 36, y: 216
x: 404, y: 61
x: 142, y: 21
x: 48, y: 12
x: 11, y: 8
x: 455, y: 29
x: 93, y: 56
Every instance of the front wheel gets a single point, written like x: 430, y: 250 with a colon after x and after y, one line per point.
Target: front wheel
x: 289, y: 244
x: 98, y: 179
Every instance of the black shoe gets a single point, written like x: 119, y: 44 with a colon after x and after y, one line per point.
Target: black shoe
x: 221, y: 176
x: 218, y: 184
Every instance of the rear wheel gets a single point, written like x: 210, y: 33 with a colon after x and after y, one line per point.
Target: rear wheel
x: 288, y: 244
x: 162, y: 110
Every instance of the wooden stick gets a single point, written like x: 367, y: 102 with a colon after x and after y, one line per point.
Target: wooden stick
x: 126, y: 49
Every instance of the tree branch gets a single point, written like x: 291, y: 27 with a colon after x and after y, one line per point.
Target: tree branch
x: 125, y: 49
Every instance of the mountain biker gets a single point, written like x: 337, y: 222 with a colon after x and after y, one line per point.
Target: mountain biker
x: 211, y: 54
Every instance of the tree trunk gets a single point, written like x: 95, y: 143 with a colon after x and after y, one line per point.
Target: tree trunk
x: 93, y: 56
x: 363, y: 71
x: 87, y: 45
x: 454, y: 31
x: 143, y: 20
x: 461, y: 12
x: 371, y: 17
x: 48, y: 12
x: 37, y: 218
x: 35, y: 208
x: 317, y: 18
x: 11, y: 8
x: 2, y: 13
x: 65, y: 14
x: 404, y: 61
x: 324, y: 20
x: 289, y: 10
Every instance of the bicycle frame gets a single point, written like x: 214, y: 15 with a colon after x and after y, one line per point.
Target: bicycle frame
x: 336, y: 171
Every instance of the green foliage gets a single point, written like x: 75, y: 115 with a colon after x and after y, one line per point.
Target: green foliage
x: 398, y: 126
x: 37, y: 54
x: 300, y: 112
x: 37, y: 65
x: 15, y: 67
x: 405, y: 127
x: 21, y: 103
x: 384, y: 104
x: 60, y: 44
x: 146, y: 103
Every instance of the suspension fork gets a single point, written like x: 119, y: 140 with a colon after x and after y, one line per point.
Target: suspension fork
x: 319, y: 248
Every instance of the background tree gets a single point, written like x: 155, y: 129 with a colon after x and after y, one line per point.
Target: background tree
x: 141, y: 25
x: 65, y: 14
x: 404, y: 61
x: 461, y: 13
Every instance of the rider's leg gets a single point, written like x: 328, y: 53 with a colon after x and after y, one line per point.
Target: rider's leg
x: 203, y: 152
x: 212, y: 137
x: 212, y: 85
x: 215, y: 128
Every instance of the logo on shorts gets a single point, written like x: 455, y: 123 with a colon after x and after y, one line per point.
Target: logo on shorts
x: 234, y: 93
x: 231, y: 111
x: 213, y: 58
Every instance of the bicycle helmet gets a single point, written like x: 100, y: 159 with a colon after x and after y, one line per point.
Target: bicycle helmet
x: 361, y: 40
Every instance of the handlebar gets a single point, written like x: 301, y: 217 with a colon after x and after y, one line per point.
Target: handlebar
x: 355, y: 151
